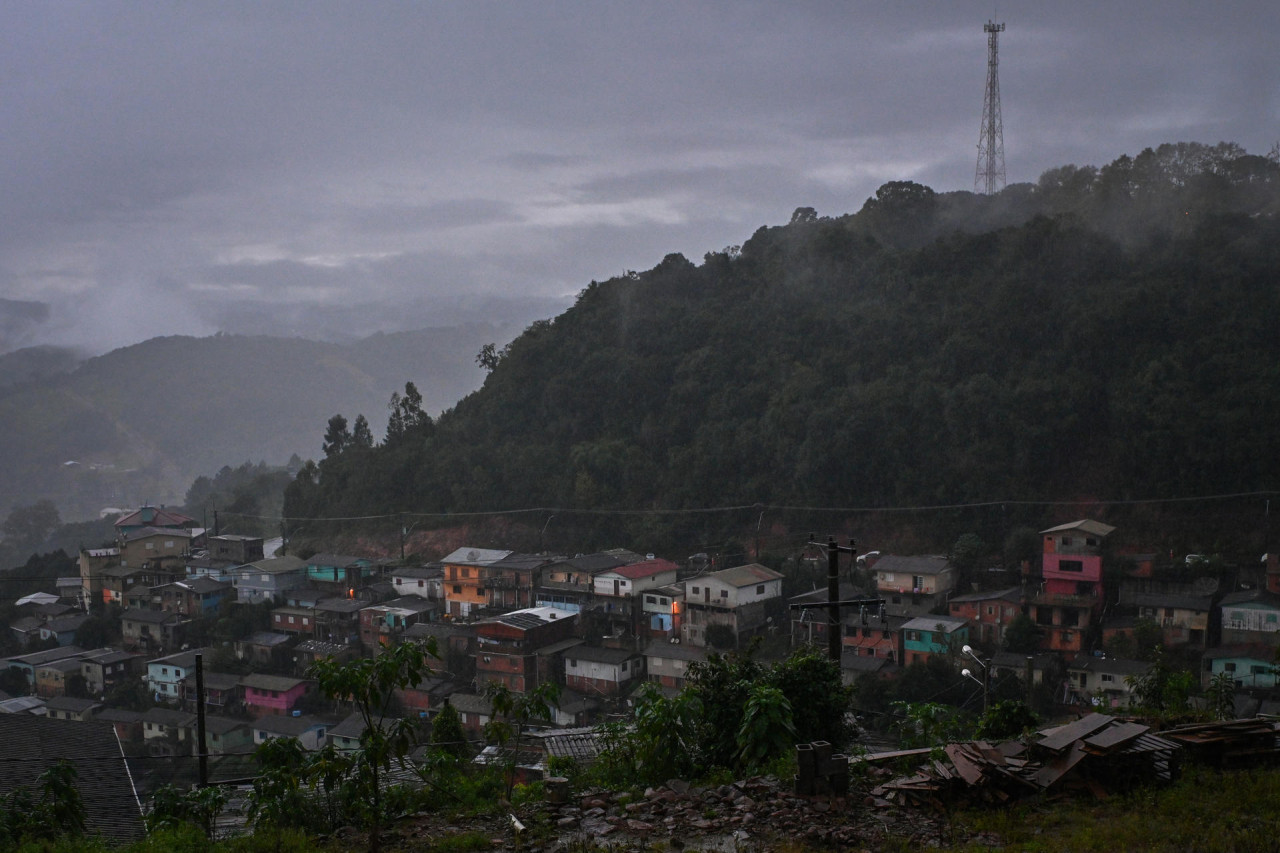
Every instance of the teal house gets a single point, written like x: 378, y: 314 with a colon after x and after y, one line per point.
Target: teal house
x: 926, y: 636
x: 1249, y: 666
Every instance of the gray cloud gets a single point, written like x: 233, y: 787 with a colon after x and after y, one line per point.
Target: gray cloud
x: 247, y: 166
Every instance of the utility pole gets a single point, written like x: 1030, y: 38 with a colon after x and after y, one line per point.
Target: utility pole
x: 200, y: 731
x: 989, y: 176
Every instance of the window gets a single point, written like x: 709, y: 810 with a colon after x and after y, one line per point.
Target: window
x: 724, y: 593
x: 1229, y: 666
x: 696, y: 590
x: 650, y: 599
x: 1071, y: 565
x: 1089, y: 540
x: 624, y: 666
x: 457, y: 589
x: 760, y: 589
x: 421, y: 584
x: 1107, y: 677
x: 1257, y: 670
x: 866, y: 632
x: 1066, y: 540
x: 266, y: 578
x: 290, y: 620
x: 399, y: 581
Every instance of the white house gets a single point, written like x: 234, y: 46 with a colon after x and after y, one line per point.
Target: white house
x: 747, y: 599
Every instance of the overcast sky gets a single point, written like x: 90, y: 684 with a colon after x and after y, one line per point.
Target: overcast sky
x: 333, y: 169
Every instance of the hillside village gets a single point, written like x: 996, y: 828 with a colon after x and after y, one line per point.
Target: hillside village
x: 597, y: 625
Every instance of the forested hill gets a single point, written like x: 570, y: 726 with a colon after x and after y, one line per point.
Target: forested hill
x: 1105, y: 332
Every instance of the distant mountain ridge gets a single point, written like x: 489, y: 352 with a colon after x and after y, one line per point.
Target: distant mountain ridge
x: 140, y: 423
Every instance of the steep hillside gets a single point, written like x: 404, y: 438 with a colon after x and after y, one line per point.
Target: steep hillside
x: 140, y: 423
x: 1106, y: 332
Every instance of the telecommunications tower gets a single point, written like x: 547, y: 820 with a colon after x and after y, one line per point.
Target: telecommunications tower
x: 989, y: 176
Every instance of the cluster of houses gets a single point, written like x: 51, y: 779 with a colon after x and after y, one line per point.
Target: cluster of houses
x: 597, y: 625
x: 1234, y: 630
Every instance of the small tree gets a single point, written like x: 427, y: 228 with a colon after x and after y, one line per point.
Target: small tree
x: 513, y: 713
x: 369, y: 684
x: 1023, y: 635
x: 1005, y: 720
x: 767, y: 730
x: 1222, y: 696
x: 447, y: 735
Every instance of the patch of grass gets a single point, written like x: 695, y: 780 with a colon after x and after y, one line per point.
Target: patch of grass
x: 1206, y: 811
x: 461, y: 843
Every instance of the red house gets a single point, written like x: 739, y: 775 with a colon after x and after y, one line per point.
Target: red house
x: 511, y: 649
x: 989, y: 612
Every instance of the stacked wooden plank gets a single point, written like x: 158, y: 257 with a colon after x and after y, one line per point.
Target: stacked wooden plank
x: 1230, y: 743
x: 1096, y: 753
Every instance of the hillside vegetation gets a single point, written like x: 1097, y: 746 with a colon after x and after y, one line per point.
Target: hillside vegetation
x: 139, y: 424
x: 1101, y: 333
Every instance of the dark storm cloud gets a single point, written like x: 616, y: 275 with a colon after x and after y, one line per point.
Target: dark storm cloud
x: 254, y: 166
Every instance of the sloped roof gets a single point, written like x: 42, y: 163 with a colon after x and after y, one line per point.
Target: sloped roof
x: 1013, y: 593
x: 675, y: 651
x: 1085, y: 525
x: 599, y: 654
x: 203, y: 585
x: 644, y: 569
x: 931, y: 623
x: 474, y: 557
x: 148, y: 532
x: 35, y: 744
x: 1259, y: 598
x: 748, y: 575
x: 922, y: 565
x: 260, y: 681
x: 340, y: 561
x: 276, y: 565
x: 1112, y: 666
x: 1179, y: 602
x: 530, y: 617
x: 150, y: 516
x: 278, y: 724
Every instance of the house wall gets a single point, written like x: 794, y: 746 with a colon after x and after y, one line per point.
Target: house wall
x: 598, y: 678
x: 1247, y: 671
x: 1250, y: 622
x: 273, y: 701
x: 149, y: 548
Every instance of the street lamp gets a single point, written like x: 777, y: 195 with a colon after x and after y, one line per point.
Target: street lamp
x: 985, y: 681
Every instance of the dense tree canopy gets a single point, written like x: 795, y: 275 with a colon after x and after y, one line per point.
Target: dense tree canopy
x: 1104, y: 331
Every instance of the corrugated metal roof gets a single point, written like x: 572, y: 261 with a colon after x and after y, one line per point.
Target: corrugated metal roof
x: 35, y: 744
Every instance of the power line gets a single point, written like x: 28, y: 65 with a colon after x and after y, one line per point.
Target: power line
x: 793, y: 508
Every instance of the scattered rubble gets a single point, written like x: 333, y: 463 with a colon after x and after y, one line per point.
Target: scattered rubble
x: 1097, y: 754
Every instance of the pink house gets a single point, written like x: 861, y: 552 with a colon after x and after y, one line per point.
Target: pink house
x: 1073, y: 558
x: 273, y: 694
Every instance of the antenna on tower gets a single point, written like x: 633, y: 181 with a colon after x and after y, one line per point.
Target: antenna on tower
x: 989, y: 176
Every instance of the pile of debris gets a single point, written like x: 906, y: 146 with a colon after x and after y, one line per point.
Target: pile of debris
x: 1095, y: 753
x: 1229, y: 744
